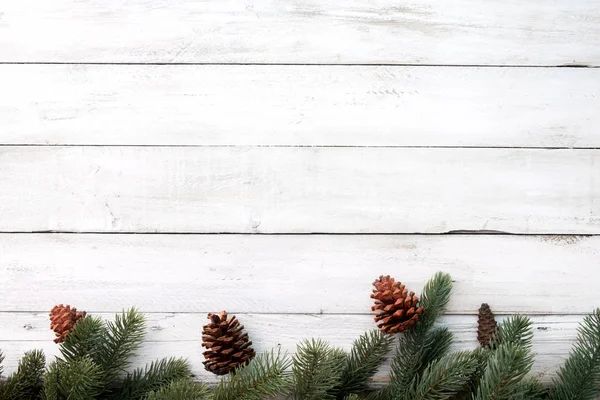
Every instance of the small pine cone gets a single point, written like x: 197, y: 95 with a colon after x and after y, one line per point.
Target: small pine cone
x: 396, y: 310
x: 228, y: 347
x: 486, y: 325
x: 63, y: 319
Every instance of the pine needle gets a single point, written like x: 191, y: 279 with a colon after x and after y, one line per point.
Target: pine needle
x: 317, y: 370
x: 155, y: 376
x: 419, y: 345
x: 182, y: 389
x: 85, y: 339
x: 266, y: 376
x: 514, y: 329
x: 506, y: 367
x: 435, y: 298
x: 76, y: 380
x: 443, y: 378
x: 366, y: 356
x: 26, y: 383
x: 122, y: 339
x: 579, y: 377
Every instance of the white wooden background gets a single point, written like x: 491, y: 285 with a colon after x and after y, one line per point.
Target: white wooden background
x: 273, y: 158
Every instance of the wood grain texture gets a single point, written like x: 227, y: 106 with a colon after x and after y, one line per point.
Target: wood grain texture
x: 299, y: 105
x: 513, y: 32
x: 180, y: 335
x: 299, y: 190
x: 326, y: 274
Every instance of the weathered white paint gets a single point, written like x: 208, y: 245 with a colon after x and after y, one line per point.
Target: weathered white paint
x: 513, y: 32
x: 299, y: 105
x: 294, y: 274
x: 180, y: 335
x: 298, y: 190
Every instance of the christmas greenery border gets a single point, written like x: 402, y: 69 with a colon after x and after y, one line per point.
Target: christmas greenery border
x: 95, y: 358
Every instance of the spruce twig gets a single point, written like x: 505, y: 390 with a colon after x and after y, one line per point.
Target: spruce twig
x: 85, y: 339
x: 367, y: 354
x: 419, y: 343
x: 506, y: 367
x: 266, y: 376
x: 26, y: 383
x: 80, y: 379
x: 122, y: 339
x: 182, y: 389
x: 159, y: 373
x: 317, y: 369
x: 514, y: 329
x: 443, y: 378
x: 579, y: 377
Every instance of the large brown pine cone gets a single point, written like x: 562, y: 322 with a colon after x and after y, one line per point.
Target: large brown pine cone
x: 396, y: 310
x: 63, y: 319
x: 228, y: 347
x: 486, y: 325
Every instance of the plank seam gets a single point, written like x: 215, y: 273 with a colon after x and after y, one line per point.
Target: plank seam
x: 299, y: 146
x: 306, y: 64
x: 452, y: 232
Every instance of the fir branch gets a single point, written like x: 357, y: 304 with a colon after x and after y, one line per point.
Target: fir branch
x: 367, y: 354
x: 85, y: 339
x: 26, y: 383
x: 419, y: 345
x: 266, y: 376
x: 514, y: 329
x: 352, y: 397
x: 435, y: 298
x: 443, y: 378
x: 182, y: 389
x: 437, y: 345
x: 506, y: 367
x: 579, y: 377
x: 317, y: 370
x: 155, y: 376
x: 80, y: 379
x: 122, y: 339
x: 529, y: 389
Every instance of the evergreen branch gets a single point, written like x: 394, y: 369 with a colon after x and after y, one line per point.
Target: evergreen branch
x: 481, y: 355
x: 506, y: 367
x: 435, y: 298
x: 123, y: 337
x: 317, y: 370
x: 154, y: 377
x: 367, y: 354
x: 85, y: 339
x: 528, y: 389
x: 579, y: 377
x: 352, y: 397
x: 514, y: 329
x: 437, y: 345
x: 80, y: 379
x: 182, y: 389
x: 26, y: 383
x: 443, y: 378
x: 266, y: 376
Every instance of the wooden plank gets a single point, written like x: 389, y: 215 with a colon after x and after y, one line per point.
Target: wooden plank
x: 299, y: 190
x: 294, y: 274
x: 513, y: 32
x: 180, y: 335
x: 299, y: 105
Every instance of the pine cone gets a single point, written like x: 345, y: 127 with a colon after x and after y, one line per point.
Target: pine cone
x: 396, y: 310
x: 486, y: 325
x: 227, y: 345
x: 63, y: 319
